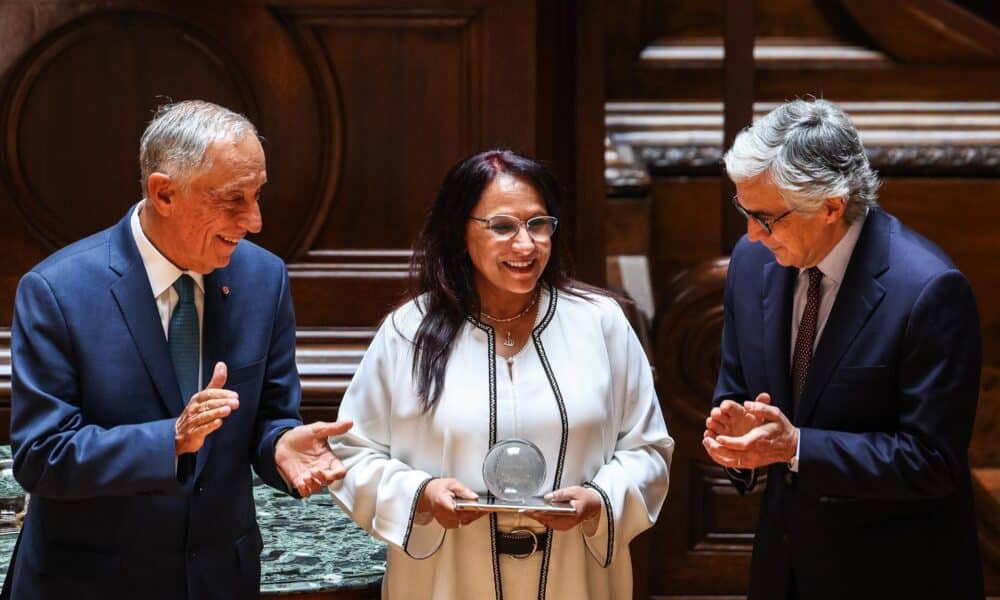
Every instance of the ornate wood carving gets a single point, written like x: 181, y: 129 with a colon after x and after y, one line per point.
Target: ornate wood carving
x: 624, y: 174
x: 63, y: 95
x: 688, y: 329
x: 901, y: 138
x: 903, y: 27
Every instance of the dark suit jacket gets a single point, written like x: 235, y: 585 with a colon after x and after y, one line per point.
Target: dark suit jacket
x: 93, y: 406
x: 881, y: 505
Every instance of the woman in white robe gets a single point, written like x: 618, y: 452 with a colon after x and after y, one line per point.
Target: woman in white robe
x: 561, y: 368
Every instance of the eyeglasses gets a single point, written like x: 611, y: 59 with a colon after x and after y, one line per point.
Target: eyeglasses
x: 506, y: 227
x: 766, y: 224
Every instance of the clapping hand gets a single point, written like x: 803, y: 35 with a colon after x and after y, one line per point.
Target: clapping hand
x: 749, y: 435
x: 204, y: 413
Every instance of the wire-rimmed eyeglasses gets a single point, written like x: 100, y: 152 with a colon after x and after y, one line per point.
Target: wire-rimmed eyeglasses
x: 766, y: 223
x: 505, y: 227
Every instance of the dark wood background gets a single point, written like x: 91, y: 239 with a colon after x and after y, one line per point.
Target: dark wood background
x: 364, y: 104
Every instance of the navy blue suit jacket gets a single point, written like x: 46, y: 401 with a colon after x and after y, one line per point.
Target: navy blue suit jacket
x: 881, y: 505
x: 94, y: 401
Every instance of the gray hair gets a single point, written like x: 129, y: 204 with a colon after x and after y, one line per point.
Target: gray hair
x: 811, y: 152
x: 176, y: 139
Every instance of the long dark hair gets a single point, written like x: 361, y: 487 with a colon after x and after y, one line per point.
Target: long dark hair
x: 442, y: 274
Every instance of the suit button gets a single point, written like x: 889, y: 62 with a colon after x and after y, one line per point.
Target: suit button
x: 784, y: 539
x: 789, y: 479
x: 193, y: 555
x: 199, y: 490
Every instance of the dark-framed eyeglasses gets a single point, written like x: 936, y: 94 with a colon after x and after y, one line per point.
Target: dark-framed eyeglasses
x: 766, y: 223
x: 505, y: 227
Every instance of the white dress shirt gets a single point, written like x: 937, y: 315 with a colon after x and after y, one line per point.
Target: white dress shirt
x: 162, y: 274
x: 833, y: 267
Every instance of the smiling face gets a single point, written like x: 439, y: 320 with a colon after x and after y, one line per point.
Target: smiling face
x: 801, y: 239
x: 507, y: 271
x: 206, y: 219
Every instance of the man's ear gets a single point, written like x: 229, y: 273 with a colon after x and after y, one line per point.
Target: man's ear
x: 160, y: 191
x: 835, y: 208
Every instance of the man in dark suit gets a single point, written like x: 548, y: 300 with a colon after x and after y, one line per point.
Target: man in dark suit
x: 139, y: 473
x: 850, y: 375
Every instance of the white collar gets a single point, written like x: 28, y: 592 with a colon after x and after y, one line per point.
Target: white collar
x: 161, y: 272
x: 834, y: 264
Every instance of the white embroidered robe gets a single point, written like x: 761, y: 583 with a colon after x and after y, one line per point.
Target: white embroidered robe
x: 581, y: 390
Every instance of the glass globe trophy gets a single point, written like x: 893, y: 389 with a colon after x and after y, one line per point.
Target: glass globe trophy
x: 514, y: 472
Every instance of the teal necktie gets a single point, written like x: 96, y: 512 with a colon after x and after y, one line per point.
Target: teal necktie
x: 182, y: 338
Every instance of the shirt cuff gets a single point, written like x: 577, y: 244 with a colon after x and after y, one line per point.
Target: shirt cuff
x: 288, y: 486
x: 793, y: 465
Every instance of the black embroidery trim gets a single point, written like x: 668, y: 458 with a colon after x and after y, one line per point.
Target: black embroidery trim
x: 413, y: 512
x: 492, y: 356
x: 536, y: 336
x: 611, y: 520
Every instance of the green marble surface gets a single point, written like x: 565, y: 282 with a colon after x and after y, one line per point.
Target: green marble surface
x: 309, y: 545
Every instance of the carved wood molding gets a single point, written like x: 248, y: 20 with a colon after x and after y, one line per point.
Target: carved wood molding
x: 929, y: 31
x: 768, y: 53
x: 624, y: 174
x: 354, y: 288
x: 326, y: 357
x: 311, y: 26
x: 331, y: 120
x: 901, y: 138
x: 688, y: 329
x: 41, y: 146
x: 722, y: 521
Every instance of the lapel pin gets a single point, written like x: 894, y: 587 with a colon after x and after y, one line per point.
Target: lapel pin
x: 225, y: 290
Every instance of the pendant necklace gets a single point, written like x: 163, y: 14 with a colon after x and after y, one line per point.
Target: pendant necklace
x: 508, y: 340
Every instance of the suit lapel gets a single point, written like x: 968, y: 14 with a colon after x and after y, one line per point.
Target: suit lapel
x: 858, y: 296
x: 215, y: 324
x: 135, y: 301
x: 777, y: 310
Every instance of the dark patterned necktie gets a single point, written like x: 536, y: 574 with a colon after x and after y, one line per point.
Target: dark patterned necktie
x: 807, y: 336
x: 182, y: 338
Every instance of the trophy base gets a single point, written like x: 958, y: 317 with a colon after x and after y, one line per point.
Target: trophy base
x: 533, y: 504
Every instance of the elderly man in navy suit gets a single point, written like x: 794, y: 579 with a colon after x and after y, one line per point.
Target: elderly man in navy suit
x: 850, y: 375
x: 153, y: 365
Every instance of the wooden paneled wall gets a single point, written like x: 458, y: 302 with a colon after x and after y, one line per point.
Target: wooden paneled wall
x: 922, y: 84
x: 363, y: 106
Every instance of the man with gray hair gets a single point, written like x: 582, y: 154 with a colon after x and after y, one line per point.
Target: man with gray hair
x: 153, y: 364
x: 849, y: 376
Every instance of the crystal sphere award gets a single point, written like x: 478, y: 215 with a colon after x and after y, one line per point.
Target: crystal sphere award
x: 514, y: 472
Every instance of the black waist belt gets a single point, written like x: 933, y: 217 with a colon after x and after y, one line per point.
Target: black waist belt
x: 521, y: 543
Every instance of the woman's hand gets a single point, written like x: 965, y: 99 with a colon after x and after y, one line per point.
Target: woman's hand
x: 438, y: 499
x: 587, y: 503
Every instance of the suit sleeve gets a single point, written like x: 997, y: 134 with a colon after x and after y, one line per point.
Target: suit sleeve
x: 936, y: 395
x: 633, y: 484
x: 56, y: 454
x: 281, y: 393
x: 730, y: 384
x: 380, y: 491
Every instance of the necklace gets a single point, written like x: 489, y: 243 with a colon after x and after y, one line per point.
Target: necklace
x: 508, y: 338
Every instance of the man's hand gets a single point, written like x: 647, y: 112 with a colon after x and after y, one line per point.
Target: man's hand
x: 204, y: 413
x: 731, y: 418
x: 304, y: 458
x: 774, y: 440
x: 587, y: 502
x: 438, y: 499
